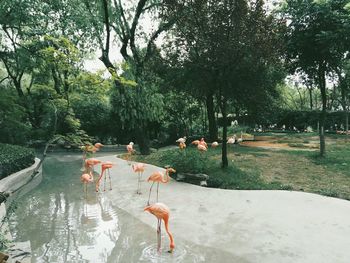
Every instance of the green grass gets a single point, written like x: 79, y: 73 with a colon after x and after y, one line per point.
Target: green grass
x: 258, y: 168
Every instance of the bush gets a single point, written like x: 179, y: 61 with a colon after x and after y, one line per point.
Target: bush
x: 14, y: 158
x: 187, y: 161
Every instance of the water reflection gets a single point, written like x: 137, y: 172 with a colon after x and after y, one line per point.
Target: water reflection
x: 63, y: 226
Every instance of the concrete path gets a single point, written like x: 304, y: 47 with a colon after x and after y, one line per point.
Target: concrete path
x: 253, y: 226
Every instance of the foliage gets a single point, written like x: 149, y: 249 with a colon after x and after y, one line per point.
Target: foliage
x: 14, y: 158
x: 13, y: 126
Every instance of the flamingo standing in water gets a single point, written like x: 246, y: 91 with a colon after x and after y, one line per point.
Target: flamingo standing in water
x: 89, y: 165
x: 86, y: 179
x: 138, y: 168
x: 161, y: 212
x: 104, y: 166
x: 231, y: 140
x: 159, y: 178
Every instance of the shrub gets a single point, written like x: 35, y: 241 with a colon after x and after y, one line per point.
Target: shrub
x: 188, y: 161
x: 14, y: 158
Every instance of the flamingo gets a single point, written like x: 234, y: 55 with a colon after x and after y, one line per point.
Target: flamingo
x: 89, y: 165
x: 182, y: 145
x: 214, y: 144
x: 159, y: 178
x: 104, y: 166
x: 98, y: 145
x: 161, y: 211
x: 231, y: 140
x: 139, y: 168
x: 202, y: 142
x: 86, y: 179
x: 195, y: 142
x: 202, y: 148
x: 130, y: 149
x: 181, y: 140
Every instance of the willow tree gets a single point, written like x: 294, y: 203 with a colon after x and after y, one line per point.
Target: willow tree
x: 317, y: 39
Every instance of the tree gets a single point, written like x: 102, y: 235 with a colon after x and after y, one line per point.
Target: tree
x: 229, y: 44
x: 317, y: 38
x: 124, y: 21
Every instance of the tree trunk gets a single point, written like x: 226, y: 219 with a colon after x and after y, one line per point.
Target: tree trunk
x: 310, y: 94
x: 213, y: 129
x: 142, y: 139
x: 322, y: 85
x: 224, y: 134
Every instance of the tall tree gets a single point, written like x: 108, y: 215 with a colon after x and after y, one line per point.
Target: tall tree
x: 317, y: 38
x: 230, y: 45
x: 123, y: 20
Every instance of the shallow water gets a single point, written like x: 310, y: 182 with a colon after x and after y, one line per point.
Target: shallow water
x: 63, y: 226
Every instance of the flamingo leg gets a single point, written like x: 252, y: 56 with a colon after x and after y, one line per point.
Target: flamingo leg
x: 104, y: 186
x: 157, y: 191
x: 149, y: 196
x: 110, y: 181
x: 139, y: 184
x: 159, y: 235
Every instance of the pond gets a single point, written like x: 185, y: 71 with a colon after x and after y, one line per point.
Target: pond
x: 63, y: 226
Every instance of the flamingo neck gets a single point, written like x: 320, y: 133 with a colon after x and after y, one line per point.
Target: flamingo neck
x: 101, y: 175
x: 172, y: 244
x: 166, y: 178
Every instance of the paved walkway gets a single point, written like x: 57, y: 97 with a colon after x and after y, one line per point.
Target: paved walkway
x: 254, y: 226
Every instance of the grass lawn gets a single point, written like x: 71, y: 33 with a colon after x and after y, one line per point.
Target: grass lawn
x: 260, y: 168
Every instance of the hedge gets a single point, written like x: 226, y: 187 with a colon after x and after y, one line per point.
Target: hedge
x: 14, y: 158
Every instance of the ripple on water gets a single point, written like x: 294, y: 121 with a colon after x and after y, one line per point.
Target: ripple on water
x: 180, y: 253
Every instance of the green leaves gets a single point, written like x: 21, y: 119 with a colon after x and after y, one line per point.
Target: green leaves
x: 14, y: 158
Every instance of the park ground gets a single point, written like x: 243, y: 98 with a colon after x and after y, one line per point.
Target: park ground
x: 276, y: 161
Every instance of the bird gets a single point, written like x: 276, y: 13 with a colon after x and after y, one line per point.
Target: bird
x: 231, y: 140
x: 182, y: 145
x: 138, y: 168
x: 89, y: 165
x: 202, y: 142
x: 98, y: 145
x: 105, y: 166
x: 214, y: 144
x: 161, y: 212
x: 195, y: 142
x: 159, y: 177
x: 181, y: 140
x: 86, y: 179
x: 130, y: 149
x: 202, y: 148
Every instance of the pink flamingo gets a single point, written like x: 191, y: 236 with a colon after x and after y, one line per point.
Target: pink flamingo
x: 214, y: 144
x: 86, y: 179
x: 161, y: 211
x: 130, y: 149
x: 89, y: 165
x: 98, y: 145
x: 105, y: 166
x: 202, y: 142
x: 202, y: 148
x: 159, y: 178
x: 138, y: 168
x: 195, y: 142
